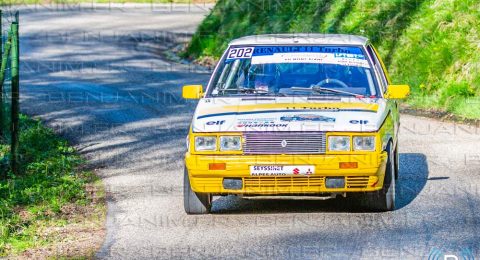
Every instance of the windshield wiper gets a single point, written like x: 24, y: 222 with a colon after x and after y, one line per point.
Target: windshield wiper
x: 319, y: 89
x: 245, y: 90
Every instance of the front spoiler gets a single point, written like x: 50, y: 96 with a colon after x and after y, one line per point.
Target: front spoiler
x: 366, y: 178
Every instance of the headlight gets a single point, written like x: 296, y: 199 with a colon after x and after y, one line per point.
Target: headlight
x: 339, y: 143
x: 205, y: 143
x: 364, y: 143
x: 230, y: 143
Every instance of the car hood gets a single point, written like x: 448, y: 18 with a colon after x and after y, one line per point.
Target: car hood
x: 288, y: 114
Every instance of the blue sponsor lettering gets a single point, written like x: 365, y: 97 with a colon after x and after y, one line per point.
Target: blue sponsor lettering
x: 219, y: 122
x: 361, y: 122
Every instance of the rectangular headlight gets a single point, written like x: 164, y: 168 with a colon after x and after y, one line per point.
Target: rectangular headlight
x: 339, y: 143
x: 205, y: 143
x: 364, y: 143
x: 230, y: 143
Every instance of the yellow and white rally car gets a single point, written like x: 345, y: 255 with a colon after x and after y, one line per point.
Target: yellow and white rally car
x: 294, y: 115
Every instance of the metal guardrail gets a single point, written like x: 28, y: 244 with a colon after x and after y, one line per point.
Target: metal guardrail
x: 9, y: 122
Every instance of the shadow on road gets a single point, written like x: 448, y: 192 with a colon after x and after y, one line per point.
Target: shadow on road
x: 122, y: 110
x: 412, y: 179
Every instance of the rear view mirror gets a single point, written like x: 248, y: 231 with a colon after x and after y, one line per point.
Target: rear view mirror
x: 192, y: 92
x: 397, y: 91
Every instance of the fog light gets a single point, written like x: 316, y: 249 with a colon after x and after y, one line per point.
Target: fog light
x: 232, y: 184
x: 335, y: 182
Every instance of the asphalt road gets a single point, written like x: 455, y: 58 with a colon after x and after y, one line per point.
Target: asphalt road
x: 97, y: 76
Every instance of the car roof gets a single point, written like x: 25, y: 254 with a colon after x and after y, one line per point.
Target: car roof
x: 301, y: 38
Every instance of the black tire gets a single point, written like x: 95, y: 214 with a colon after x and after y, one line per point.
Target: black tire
x: 397, y: 162
x: 195, y: 203
x: 384, y: 199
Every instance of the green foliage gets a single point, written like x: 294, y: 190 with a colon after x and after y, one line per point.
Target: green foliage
x: 430, y: 44
x: 47, y: 182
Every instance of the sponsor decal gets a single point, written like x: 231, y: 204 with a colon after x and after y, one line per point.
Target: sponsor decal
x: 361, y: 122
x: 349, y: 55
x: 268, y: 168
x: 259, y: 122
x: 261, y: 125
x: 296, y: 171
x: 270, y: 50
x: 315, y: 58
x: 218, y: 122
x: 281, y: 170
x: 308, y: 117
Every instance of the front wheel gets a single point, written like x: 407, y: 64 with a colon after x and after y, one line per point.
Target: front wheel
x: 384, y: 199
x: 195, y: 203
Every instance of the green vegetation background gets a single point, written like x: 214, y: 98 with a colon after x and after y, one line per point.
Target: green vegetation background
x: 432, y: 45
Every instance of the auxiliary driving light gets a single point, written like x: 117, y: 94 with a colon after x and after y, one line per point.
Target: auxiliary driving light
x: 232, y: 184
x: 335, y: 182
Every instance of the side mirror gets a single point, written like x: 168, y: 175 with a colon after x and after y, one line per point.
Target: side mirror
x: 397, y: 91
x: 192, y: 92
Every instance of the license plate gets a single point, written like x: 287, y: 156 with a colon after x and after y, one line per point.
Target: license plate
x: 281, y: 170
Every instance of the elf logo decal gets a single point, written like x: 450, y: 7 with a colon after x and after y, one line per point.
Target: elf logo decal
x: 356, y: 122
x: 219, y: 122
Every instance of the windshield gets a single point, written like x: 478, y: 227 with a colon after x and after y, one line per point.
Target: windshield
x: 293, y: 70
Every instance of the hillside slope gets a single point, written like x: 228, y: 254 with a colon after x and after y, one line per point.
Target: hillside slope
x: 433, y: 45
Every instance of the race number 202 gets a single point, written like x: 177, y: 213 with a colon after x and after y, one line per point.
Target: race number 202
x: 240, y: 53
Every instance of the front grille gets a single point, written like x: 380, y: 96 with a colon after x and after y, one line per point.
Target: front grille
x: 284, y: 143
x: 279, y: 184
x: 357, y: 181
x: 284, y: 182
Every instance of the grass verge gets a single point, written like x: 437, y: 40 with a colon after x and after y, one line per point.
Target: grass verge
x: 53, y: 208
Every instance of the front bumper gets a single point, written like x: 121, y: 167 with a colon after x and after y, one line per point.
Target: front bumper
x: 368, y: 176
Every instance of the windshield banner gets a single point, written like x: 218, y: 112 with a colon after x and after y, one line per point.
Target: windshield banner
x: 346, y: 56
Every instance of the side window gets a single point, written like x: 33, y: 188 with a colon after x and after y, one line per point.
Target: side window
x: 378, y: 68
